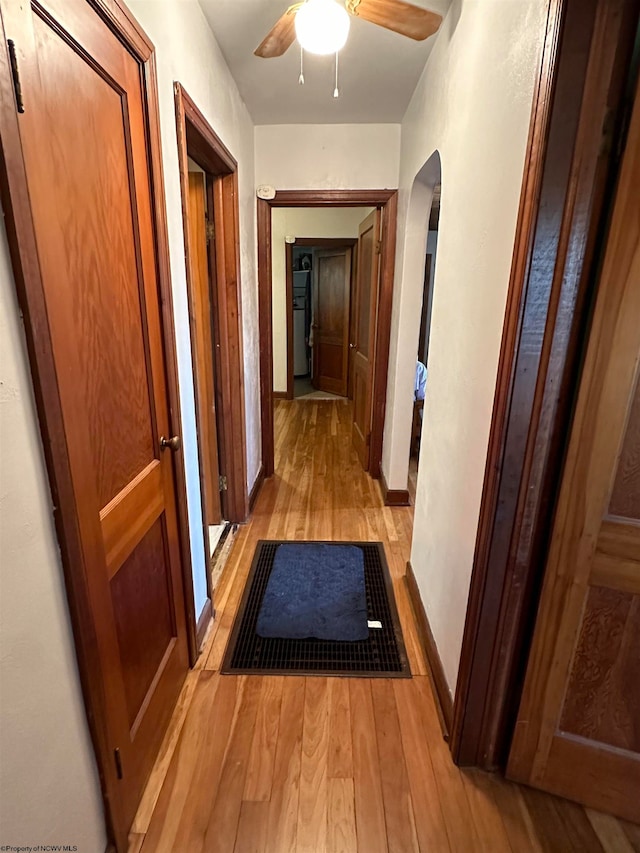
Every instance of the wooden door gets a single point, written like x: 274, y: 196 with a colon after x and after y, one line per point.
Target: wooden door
x: 578, y: 729
x: 83, y: 136
x: 364, y: 343
x: 203, y: 348
x: 331, y: 297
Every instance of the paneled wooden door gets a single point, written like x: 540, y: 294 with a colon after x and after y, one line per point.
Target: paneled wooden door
x: 203, y: 349
x: 578, y: 729
x: 331, y: 294
x: 364, y: 341
x: 84, y: 140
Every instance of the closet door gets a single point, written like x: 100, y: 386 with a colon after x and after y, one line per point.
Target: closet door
x: 364, y: 344
x: 204, y: 369
x: 94, y: 307
x: 332, y: 288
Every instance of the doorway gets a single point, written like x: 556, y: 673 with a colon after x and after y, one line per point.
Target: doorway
x: 201, y: 261
x: 588, y: 56
x: 335, y: 358
x: 319, y: 296
x: 208, y: 174
x: 419, y: 390
x: 581, y: 697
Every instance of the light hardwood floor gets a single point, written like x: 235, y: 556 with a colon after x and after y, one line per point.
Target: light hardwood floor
x: 258, y: 764
x: 412, y: 480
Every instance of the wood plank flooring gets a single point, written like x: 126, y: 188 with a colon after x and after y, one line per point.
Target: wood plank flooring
x: 273, y: 764
x: 412, y: 480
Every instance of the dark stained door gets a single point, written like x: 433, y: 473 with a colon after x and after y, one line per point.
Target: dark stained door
x: 364, y: 343
x: 578, y: 729
x: 332, y: 290
x: 203, y: 348
x: 84, y: 141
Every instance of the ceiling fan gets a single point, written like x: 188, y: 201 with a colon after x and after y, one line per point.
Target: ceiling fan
x: 326, y: 23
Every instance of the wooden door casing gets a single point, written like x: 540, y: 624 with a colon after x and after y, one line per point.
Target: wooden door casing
x: 85, y: 252
x: 331, y: 295
x: 386, y: 200
x: 581, y: 87
x: 363, y: 351
x: 578, y: 729
x: 198, y: 141
x: 203, y: 348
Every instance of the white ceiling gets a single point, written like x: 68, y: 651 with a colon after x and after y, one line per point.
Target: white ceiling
x: 378, y: 69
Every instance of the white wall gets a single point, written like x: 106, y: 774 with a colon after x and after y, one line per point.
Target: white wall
x: 300, y: 222
x: 49, y: 790
x: 473, y: 105
x: 328, y: 156
x: 187, y: 51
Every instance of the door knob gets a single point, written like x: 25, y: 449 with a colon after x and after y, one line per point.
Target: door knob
x: 352, y: 346
x: 174, y: 443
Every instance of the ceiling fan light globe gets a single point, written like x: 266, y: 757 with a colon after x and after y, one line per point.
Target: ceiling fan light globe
x: 322, y: 26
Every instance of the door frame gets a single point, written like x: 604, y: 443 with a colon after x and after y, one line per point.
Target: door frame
x: 197, y: 139
x: 575, y: 141
x: 29, y: 287
x: 427, y: 305
x: 560, y: 744
x: 321, y: 243
x: 387, y: 200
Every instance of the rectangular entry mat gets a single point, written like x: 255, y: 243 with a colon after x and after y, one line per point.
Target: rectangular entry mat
x: 381, y: 654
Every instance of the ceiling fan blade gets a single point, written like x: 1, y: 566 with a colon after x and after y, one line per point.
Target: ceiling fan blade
x: 396, y: 15
x: 281, y: 36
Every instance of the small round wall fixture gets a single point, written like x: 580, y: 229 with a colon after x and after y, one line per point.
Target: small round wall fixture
x: 266, y: 192
x: 322, y: 26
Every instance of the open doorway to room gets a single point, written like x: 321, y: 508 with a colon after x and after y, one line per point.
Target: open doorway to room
x: 208, y: 175
x: 314, y: 264
x: 320, y: 279
x: 201, y: 261
x: 419, y: 389
x: 326, y: 265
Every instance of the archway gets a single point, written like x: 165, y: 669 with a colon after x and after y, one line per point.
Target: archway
x: 399, y: 428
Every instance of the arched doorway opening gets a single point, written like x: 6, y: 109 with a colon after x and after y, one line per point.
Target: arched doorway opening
x: 419, y: 272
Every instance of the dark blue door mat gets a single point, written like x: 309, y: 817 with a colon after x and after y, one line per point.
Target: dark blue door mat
x: 315, y: 591
x: 377, y: 652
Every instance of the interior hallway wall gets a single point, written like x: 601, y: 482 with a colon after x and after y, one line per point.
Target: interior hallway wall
x: 186, y: 51
x: 300, y: 222
x: 49, y: 790
x: 473, y: 106
x: 328, y: 156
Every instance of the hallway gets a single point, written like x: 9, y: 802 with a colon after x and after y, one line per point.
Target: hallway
x: 315, y: 764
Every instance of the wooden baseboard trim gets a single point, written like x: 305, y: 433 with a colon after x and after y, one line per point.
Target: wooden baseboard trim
x: 444, y: 703
x: 255, y: 489
x: 393, y: 497
x: 203, y: 623
x: 280, y: 395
